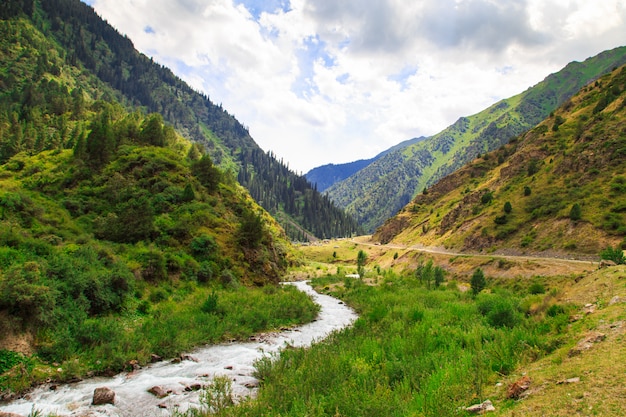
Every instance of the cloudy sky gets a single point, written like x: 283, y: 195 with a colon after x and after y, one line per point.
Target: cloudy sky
x: 321, y: 81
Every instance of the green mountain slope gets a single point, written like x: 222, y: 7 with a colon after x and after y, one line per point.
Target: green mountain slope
x: 119, y: 239
x: 326, y: 175
x: 91, y: 44
x: 558, y: 188
x: 377, y: 192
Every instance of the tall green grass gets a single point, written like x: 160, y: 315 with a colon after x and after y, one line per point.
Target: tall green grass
x: 171, y: 326
x: 411, y: 352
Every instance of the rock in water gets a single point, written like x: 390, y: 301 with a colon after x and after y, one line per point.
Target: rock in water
x: 158, y: 391
x: 103, y: 395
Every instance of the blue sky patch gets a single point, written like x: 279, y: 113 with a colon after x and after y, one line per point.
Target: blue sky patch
x: 343, y: 78
x: 312, y: 50
x: 403, y: 76
x: 148, y: 29
x: 256, y: 7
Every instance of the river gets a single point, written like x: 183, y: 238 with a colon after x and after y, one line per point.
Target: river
x: 234, y: 360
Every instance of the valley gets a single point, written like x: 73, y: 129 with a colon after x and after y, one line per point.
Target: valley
x: 140, y: 221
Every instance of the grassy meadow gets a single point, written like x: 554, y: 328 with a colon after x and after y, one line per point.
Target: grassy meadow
x: 416, y: 351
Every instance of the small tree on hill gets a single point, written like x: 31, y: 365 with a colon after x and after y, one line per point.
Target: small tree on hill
x: 361, y: 258
x: 508, y: 207
x: 478, y: 281
x: 439, y: 275
x: 576, y: 212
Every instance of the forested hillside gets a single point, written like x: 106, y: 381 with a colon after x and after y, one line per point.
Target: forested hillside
x: 119, y: 239
x: 91, y: 44
x: 560, y: 188
x: 325, y: 176
x: 377, y: 192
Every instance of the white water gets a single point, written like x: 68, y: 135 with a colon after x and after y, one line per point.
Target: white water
x: 234, y: 360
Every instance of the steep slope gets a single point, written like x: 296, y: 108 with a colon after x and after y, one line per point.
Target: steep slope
x: 558, y: 188
x: 325, y: 176
x: 90, y: 43
x: 378, y: 191
x: 119, y: 239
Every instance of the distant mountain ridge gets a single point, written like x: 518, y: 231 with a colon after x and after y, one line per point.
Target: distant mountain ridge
x: 379, y: 190
x: 327, y: 175
x: 559, y: 188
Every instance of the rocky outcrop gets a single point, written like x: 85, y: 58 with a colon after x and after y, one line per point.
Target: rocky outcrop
x: 481, y: 408
x: 587, y: 343
x: 517, y: 388
x: 103, y: 395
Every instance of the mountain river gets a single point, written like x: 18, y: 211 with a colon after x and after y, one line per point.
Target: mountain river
x: 234, y: 360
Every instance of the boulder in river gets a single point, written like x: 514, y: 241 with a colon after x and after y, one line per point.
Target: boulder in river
x: 158, y: 391
x: 103, y: 395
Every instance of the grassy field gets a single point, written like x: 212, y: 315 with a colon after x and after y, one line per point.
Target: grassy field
x: 416, y: 351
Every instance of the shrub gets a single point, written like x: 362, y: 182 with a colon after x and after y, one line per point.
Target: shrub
x: 527, y: 191
x: 555, y: 310
x: 478, y: 281
x: 536, y: 288
x: 498, y: 310
x: 8, y: 359
x: 500, y: 220
x: 159, y: 294
x: 210, y: 304
x: 533, y: 167
x: 154, y: 266
x: 205, y: 272
x: 203, y: 247
x: 24, y: 295
x: 613, y: 254
x: 575, y: 212
x: 508, y: 207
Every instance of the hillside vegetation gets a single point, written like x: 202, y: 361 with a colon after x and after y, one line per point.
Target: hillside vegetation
x: 119, y: 239
x: 380, y: 190
x: 559, y: 188
x: 323, y: 177
x: 79, y: 39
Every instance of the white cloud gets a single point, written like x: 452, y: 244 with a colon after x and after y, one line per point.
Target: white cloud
x: 334, y: 81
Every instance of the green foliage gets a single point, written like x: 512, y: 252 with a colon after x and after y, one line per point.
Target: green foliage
x: 208, y: 175
x: 411, y: 352
x: 361, y: 259
x: 575, y: 212
x: 508, y: 207
x: 251, y: 230
x: 478, y: 281
x: 439, y: 276
x: 527, y: 191
x: 498, y: 310
x: 536, y: 288
x: 533, y: 167
x: 8, y: 359
x: 210, y: 305
x: 218, y: 395
x: 614, y: 254
x: 500, y: 219
x: 24, y: 294
x: 487, y: 197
